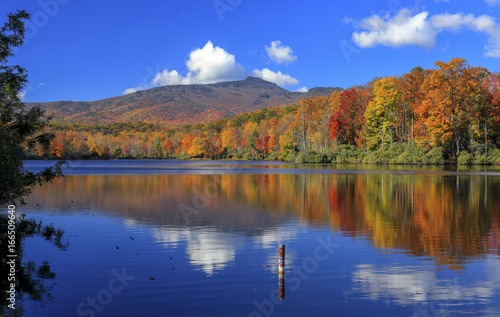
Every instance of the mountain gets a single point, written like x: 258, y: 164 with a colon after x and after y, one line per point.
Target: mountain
x: 179, y: 104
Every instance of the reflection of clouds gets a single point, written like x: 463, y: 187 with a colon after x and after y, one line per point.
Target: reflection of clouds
x: 272, y: 238
x: 406, y: 285
x: 213, y: 250
x: 492, y: 266
x: 209, y: 249
x: 130, y: 222
x: 170, y: 236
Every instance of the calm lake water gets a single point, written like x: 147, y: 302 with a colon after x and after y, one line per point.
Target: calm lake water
x: 200, y: 238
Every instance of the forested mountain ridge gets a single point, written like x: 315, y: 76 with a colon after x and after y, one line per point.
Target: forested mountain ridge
x: 179, y: 104
x: 449, y: 114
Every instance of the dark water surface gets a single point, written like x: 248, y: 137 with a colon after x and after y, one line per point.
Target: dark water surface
x: 174, y: 238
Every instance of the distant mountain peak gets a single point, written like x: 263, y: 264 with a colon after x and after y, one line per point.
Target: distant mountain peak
x: 180, y: 104
x: 250, y: 81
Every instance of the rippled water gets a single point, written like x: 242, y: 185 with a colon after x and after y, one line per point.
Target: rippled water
x: 173, y: 238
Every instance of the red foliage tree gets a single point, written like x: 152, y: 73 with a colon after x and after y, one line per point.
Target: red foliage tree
x: 347, y: 123
x: 261, y: 143
x: 335, y: 126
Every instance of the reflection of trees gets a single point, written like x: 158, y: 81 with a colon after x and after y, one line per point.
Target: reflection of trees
x: 30, y: 277
x: 447, y: 217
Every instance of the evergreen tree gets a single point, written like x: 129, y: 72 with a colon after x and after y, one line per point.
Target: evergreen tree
x: 18, y: 126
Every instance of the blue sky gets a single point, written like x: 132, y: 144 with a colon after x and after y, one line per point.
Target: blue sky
x: 89, y: 50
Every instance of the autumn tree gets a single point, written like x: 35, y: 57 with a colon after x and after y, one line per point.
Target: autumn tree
x: 349, y: 118
x: 230, y: 138
x: 454, y: 106
x: 214, y: 144
x: 197, y: 147
x: 58, y: 145
x: 157, y: 146
x: 319, y: 114
x: 187, y: 142
x: 451, y: 91
x: 383, y: 113
x: 302, y: 122
x: 336, y: 126
x: 261, y: 143
x: 285, y: 130
x: 412, y: 96
x: 167, y: 148
x: 248, y: 135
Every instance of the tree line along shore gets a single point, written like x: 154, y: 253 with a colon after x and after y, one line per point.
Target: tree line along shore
x: 449, y: 114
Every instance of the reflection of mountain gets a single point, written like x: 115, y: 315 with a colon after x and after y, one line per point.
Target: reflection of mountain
x: 453, y: 219
x: 194, y: 200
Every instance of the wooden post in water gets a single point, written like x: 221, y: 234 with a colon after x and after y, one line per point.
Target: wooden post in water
x: 281, y: 269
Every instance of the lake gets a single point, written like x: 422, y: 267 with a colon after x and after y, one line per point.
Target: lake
x: 201, y: 238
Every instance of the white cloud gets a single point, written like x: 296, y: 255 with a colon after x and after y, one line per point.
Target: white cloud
x: 206, y: 65
x: 167, y: 77
x: 421, y: 30
x: 22, y: 94
x: 275, y: 77
x: 280, y: 53
x: 455, y: 22
x: 135, y: 89
x: 401, y: 30
x: 303, y: 89
x: 492, y: 2
x: 211, y: 64
x: 483, y: 23
x: 347, y: 20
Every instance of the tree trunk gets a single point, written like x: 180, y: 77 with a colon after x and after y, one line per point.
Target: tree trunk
x: 303, y: 130
x: 412, y: 127
x: 382, y: 137
x: 485, y: 142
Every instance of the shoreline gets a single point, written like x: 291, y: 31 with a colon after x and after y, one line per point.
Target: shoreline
x: 447, y: 163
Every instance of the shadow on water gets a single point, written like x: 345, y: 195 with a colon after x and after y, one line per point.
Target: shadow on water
x: 29, y: 279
